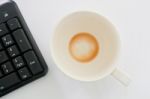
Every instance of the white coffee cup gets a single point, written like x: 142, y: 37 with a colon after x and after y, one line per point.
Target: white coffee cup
x: 85, y: 46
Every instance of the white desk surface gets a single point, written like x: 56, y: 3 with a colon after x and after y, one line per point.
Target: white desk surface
x: 132, y: 19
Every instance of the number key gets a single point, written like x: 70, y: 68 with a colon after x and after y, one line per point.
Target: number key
x: 7, y: 67
x: 24, y: 73
x: 1, y: 74
x: 3, y: 29
x: 13, y: 51
x: 8, y: 81
x: 18, y: 62
x: 3, y: 56
x: 1, y: 47
x: 7, y: 40
x: 13, y: 24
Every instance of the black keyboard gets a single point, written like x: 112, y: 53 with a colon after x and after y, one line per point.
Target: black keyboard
x: 20, y: 59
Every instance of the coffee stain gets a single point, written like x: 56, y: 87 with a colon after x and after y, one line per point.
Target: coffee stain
x: 83, y: 47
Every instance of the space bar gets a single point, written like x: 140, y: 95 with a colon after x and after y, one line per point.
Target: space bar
x: 9, y: 81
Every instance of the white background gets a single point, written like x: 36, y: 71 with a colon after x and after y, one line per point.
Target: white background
x: 131, y: 18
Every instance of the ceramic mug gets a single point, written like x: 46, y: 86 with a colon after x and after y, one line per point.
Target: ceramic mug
x: 85, y: 46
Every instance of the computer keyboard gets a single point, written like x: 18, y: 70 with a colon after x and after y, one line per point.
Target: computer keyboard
x: 20, y: 59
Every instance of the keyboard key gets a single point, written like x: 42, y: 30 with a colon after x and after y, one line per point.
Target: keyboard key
x: 3, y: 56
x: 22, y: 40
x: 1, y: 74
x: 18, y: 62
x: 13, y: 24
x: 7, y: 40
x: 3, y: 29
x: 33, y: 62
x: 13, y: 51
x: 7, y: 67
x: 24, y: 73
x: 3, y: 15
x: 8, y: 81
x: 1, y: 47
x: 7, y: 13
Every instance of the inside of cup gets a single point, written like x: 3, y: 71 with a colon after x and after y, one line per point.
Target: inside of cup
x: 101, y: 29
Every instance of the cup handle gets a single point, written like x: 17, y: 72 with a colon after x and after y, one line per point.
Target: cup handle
x: 121, y: 76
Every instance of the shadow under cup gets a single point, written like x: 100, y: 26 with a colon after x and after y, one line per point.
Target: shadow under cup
x: 85, y: 46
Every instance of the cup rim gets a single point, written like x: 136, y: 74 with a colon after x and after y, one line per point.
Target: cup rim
x: 59, y: 65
